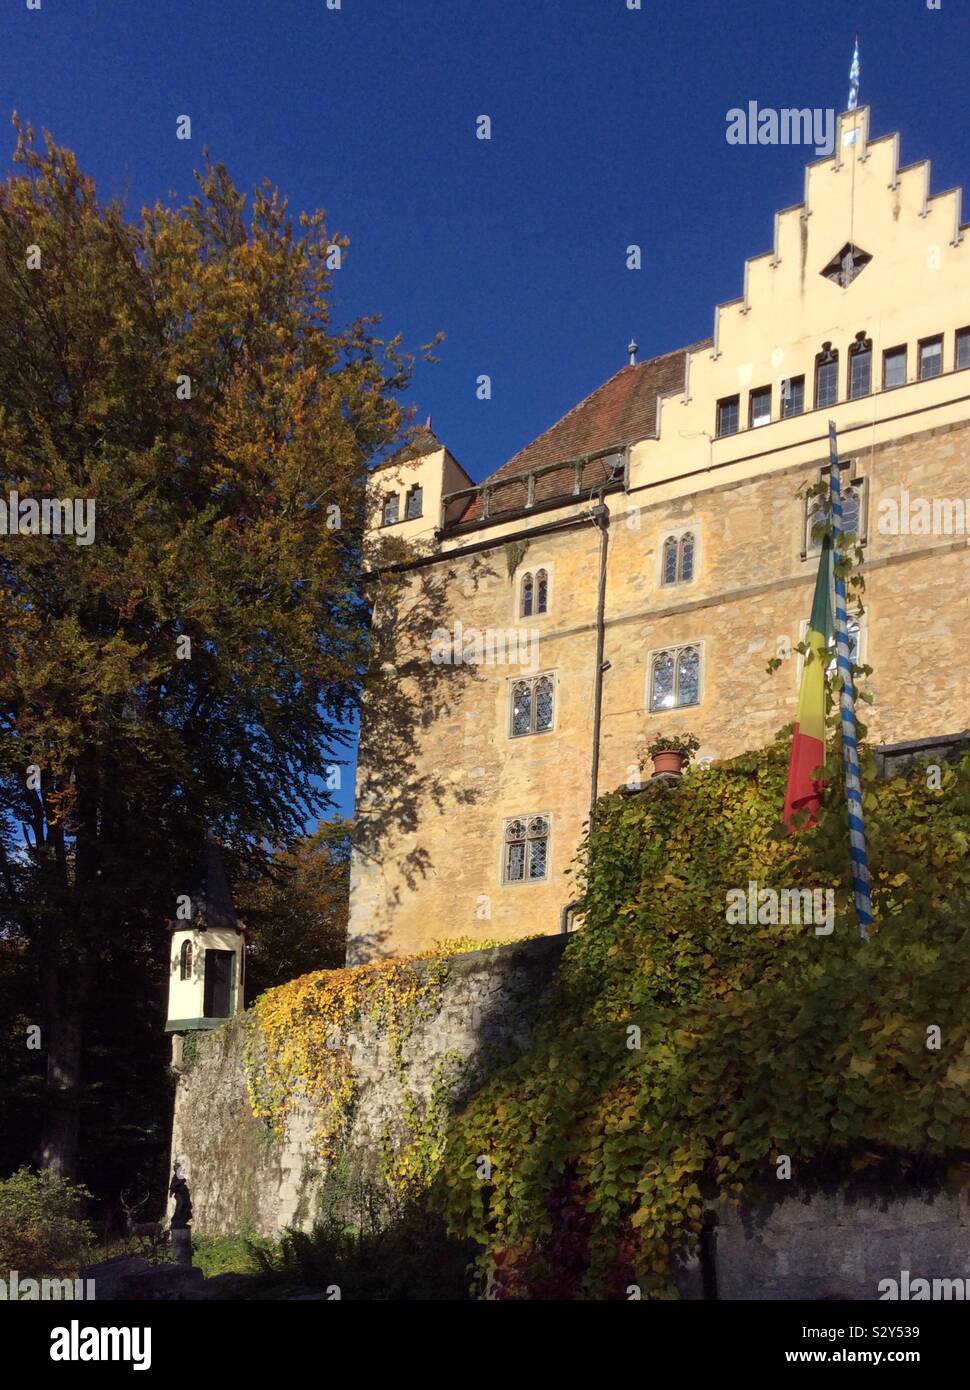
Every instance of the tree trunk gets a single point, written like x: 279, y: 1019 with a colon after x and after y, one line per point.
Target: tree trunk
x: 65, y: 1012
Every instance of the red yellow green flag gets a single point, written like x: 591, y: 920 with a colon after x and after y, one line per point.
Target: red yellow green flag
x: 804, y: 791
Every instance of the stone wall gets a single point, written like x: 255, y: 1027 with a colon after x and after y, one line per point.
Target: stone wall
x: 842, y: 1246
x: 243, y: 1179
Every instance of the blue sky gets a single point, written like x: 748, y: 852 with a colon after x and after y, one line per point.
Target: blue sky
x: 608, y: 128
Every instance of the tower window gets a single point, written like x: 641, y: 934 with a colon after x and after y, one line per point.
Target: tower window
x: 412, y: 508
x: 893, y: 368
x: 728, y: 415
x: 525, y: 857
x: 930, y: 357
x: 185, y: 961
x: 391, y: 509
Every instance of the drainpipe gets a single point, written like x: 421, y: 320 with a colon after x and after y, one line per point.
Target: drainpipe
x: 600, y: 515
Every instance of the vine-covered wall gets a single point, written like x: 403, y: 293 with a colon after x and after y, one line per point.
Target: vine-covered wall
x: 343, y: 1076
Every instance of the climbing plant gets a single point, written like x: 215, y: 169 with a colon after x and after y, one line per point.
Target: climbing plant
x: 688, y: 1054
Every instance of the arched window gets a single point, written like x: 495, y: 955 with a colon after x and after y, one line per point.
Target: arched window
x: 526, y: 851
x: 521, y: 708
x: 532, y: 706
x: 860, y: 366
x: 675, y: 678
x: 543, y: 704
x: 826, y: 376
x: 677, y: 559
x: 528, y: 590
x: 670, y: 560
x: 185, y: 961
x: 686, y: 567
x: 542, y: 591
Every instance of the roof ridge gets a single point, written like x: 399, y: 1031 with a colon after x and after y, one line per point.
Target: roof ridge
x: 627, y: 367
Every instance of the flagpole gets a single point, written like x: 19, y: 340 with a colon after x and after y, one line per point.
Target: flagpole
x: 850, y: 747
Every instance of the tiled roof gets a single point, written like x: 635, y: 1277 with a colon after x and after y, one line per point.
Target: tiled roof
x: 422, y: 441
x: 621, y: 411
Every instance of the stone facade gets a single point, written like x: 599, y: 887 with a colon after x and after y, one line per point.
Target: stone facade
x: 439, y: 774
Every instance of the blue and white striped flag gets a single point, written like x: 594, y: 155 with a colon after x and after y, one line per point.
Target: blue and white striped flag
x: 850, y: 747
x: 854, y: 79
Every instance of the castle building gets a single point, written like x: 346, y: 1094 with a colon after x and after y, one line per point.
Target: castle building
x: 633, y: 570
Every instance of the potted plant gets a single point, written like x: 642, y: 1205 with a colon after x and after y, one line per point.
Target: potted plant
x: 670, y: 754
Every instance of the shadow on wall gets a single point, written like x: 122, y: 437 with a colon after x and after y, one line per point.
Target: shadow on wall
x: 407, y: 691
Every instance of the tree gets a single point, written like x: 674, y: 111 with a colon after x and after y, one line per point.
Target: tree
x: 296, y: 916
x: 192, y: 668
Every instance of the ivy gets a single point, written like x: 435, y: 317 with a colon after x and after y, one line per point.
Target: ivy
x: 685, y: 1053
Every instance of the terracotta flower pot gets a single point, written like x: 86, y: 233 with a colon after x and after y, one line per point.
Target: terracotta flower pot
x: 670, y: 760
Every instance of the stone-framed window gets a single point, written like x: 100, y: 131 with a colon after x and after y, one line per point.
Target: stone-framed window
x: 532, y: 705
x: 855, y: 508
x: 534, y: 593
x: 857, y: 631
x: 525, y: 850
x: 391, y: 509
x: 414, y: 505
x: 674, y: 677
x: 678, y: 558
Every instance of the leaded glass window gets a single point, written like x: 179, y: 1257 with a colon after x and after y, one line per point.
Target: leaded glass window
x: 686, y: 557
x: 662, y: 681
x: 675, y: 678
x: 543, y: 704
x: 528, y: 591
x: 542, y: 591
x: 521, y: 708
x: 526, y: 850
x: 670, y: 560
x: 185, y: 961
x: 533, y: 706
x: 677, y: 564
x: 851, y: 514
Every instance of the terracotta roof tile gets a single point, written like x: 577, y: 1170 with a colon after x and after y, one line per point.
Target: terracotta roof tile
x: 621, y: 411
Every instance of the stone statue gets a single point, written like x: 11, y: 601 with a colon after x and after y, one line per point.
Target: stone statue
x: 179, y: 1189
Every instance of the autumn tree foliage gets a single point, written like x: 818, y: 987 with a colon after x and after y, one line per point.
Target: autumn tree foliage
x: 296, y: 913
x: 193, y: 670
